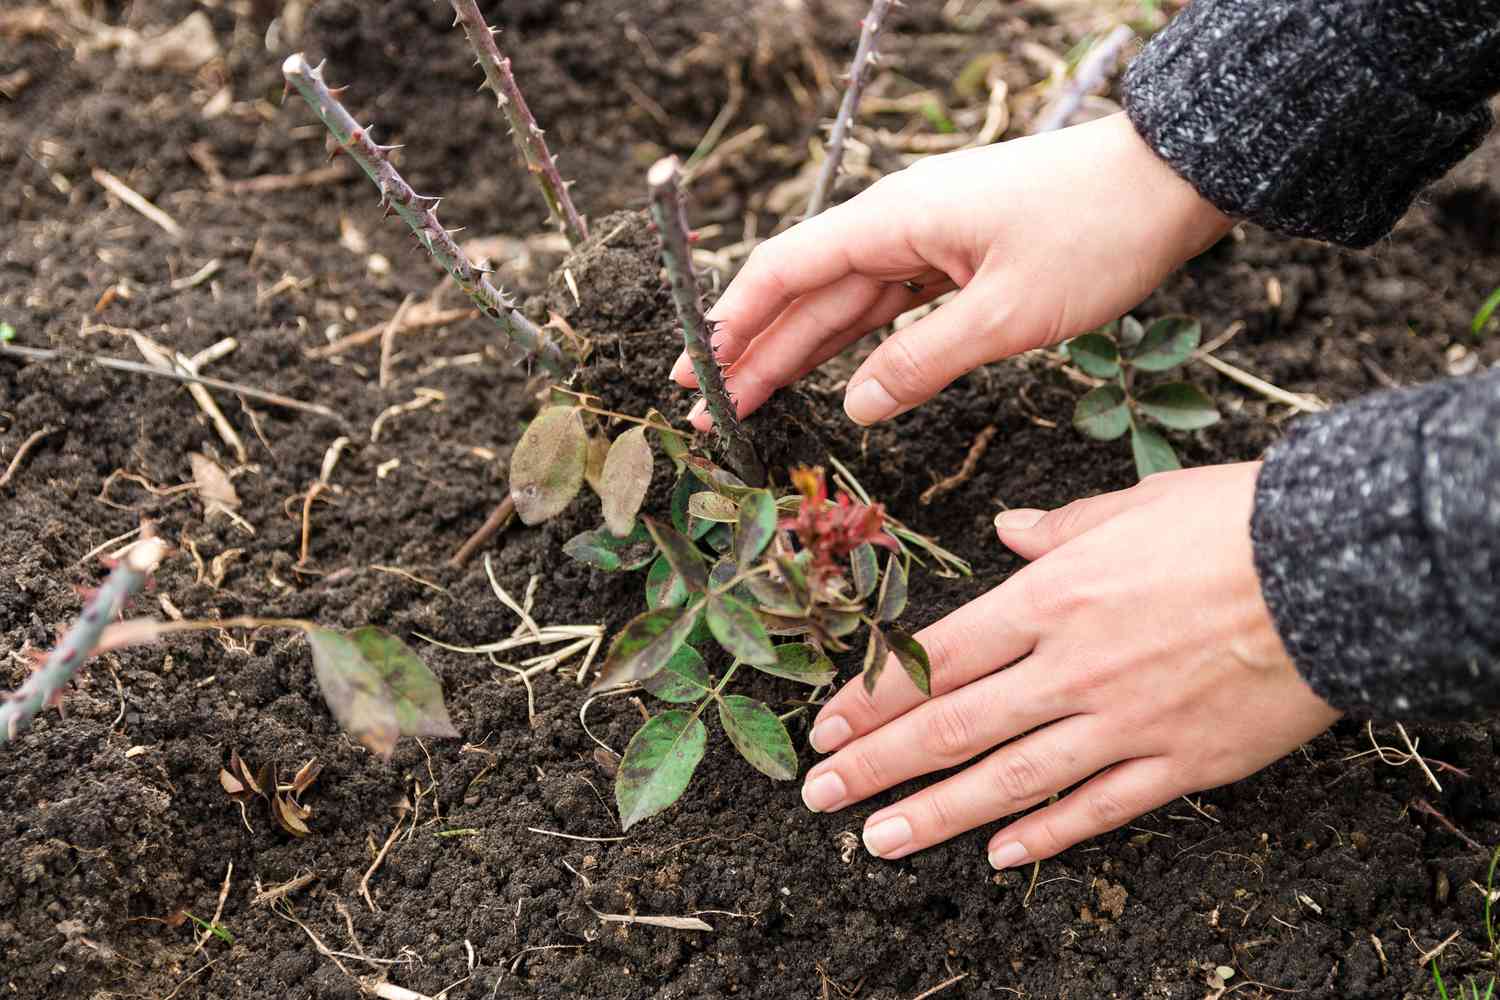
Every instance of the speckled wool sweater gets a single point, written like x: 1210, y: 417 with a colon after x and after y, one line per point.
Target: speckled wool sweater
x: 1376, y: 526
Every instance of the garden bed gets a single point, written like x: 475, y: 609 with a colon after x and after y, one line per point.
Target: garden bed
x: 1318, y: 875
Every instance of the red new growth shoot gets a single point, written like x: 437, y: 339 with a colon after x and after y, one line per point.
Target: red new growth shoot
x: 832, y: 531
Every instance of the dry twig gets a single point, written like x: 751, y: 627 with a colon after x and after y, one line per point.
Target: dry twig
x: 21, y: 452
x: 966, y: 471
x: 130, y: 197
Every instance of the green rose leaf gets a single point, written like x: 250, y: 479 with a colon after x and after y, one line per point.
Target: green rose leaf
x: 1095, y: 354
x: 892, y: 591
x: 876, y: 651
x: 684, y: 556
x: 377, y: 688
x: 684, y: 678
x: 756, y: 525
x: 913, y: 659
x: 1102, y: 413
x: 601, y: 549
x: 1152, y: 451
x: 711, y: 506
x: 865, y: 568
x: 546, y: 469
x: 1179, y: 405
x: 739, y: 630
x: 625, y: 480
x: 773, y: 595
x: 664, y: 588
x: 1168, y: 342
x: 646, y: 644
x: 795, y: 578
x: 759, y: 736
x: 658, y: 764
x: 802, y: 662
x: 682, y: 519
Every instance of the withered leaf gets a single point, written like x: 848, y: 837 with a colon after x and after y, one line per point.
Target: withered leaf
x: 547, y: 467
x: 377, y: 688
x: 624, y: 480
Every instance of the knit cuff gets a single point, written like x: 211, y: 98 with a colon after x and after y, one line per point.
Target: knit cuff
x: 1375, y: 538
x: 1287, y: 113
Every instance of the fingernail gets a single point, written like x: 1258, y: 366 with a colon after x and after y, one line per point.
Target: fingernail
x: 868, y: 402
x: 697, y: 409
x: 829, y: 734
x: 1008, y: 855
x: 825, y: 792
x: 1019, y: 519
x: 888, y: 836
x: 681, y: 367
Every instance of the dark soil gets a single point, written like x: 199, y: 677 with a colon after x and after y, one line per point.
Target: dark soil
x: 1317, y: 876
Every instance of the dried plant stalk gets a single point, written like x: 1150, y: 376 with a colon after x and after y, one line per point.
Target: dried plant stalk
x: 44, y: 687
x: 666, y: 211
x: 865, y: 58
x: 1091, y: 73
x: 419, y: 214
x: 524, y: 130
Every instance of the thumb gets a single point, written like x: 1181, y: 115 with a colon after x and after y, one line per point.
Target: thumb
x: 914, y: 364
x: 1031, y: 534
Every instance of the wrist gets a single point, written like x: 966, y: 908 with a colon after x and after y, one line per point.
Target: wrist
x: 1189, y: 223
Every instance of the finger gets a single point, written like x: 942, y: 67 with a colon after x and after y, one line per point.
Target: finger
x: 914, y: 364
x: 816, y: 328
x: 977, y: 639
x: 1107, y: 802
x: 1031, y: 534
x: 781, y: 355
x: 856, y: 237
x: 1013, y: 778
x: 935, y: 735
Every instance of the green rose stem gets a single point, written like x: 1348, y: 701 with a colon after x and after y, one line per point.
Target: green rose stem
x: 45, y: 686
x: 860, y: 69
x: 523, y: 127
x: 419, y: 214
x: 666, y: 212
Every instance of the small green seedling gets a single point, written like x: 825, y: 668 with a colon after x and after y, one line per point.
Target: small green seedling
x: 1481, y: 322
x: 217, y: 930
x: 1471, y: 990
x: 1117, y: 353
x: 7, y: 333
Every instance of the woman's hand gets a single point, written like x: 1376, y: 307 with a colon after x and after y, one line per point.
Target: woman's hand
x: 1047, y: 237
x: 1134, y: 653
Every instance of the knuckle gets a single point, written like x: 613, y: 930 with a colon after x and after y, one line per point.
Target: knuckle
x: 870, y: 772
x: 943, y: 813
x: 1020, y: 778
x: 1106, y: 810
x: 948, y: 734
x: 1066, y: 521
x: 907, y: 374
x: 862, y: 704
x: 1055, y: 593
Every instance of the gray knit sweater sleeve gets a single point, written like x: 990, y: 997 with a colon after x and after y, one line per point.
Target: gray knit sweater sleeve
x: 1320, y: 118
x: 1377, y: 526
x: 1377, y: 540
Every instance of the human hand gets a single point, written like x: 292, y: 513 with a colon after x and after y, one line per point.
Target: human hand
x: 1134, y: 652
x: 1047, y: 236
